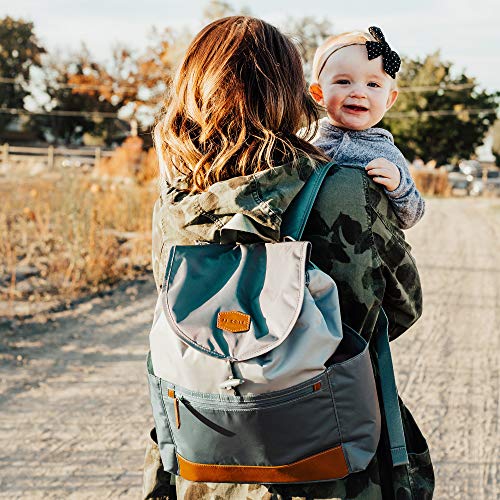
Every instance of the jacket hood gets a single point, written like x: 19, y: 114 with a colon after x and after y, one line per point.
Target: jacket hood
x: 257, y: 201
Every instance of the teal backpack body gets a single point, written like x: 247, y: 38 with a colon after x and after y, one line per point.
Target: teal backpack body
x: 253, y: 376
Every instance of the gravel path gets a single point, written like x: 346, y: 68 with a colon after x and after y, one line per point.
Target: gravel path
x: 75, y: 409
x: 74, y: 404
x: 447, y: 365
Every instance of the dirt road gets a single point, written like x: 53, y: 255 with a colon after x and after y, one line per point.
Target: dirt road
x: 447, y: 365
x: 74, y: 410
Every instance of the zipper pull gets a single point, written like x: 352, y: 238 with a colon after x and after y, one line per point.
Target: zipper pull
x: 171, y: 394
x: 177, y: 413
x: 232, y: 381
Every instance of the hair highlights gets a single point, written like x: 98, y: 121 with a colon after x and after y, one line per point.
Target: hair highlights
x: 237, y: 101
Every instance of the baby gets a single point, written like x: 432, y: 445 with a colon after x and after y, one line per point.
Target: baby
x: 354, y: 79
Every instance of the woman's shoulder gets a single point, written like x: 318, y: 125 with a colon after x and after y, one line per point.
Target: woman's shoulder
x: 344, y: 189
x: 350, y: 202
x: 349, y: 189
x: 339, y: 222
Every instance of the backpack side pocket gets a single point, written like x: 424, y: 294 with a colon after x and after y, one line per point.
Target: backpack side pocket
x: 163, y: 431
x: 356, y: 403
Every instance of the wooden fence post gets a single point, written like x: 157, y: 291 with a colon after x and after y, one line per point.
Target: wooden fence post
x: 50, y: 157
x: 97, y: 159
x: 5, y: 153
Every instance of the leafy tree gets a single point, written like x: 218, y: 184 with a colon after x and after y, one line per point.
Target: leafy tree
x: 19, y: 51
x: 308, y: 32
x: 131, y: 84
x: 446, y: 119
x: 62, y: 94
x: 496, y: 142
x: 136, y: 82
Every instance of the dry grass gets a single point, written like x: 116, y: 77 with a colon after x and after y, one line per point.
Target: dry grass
x: 130, y: 161
x: 66, y: 234
x: 75, y: 234
x: 431, y: 181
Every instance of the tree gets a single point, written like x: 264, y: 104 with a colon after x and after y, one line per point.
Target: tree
x: 496, y: 142
x: 135, y: 82
x: 216, y: 9
x: 308, y: 33
x: 19, y: 51
x: 63, y: 94
x: 444, y: 117
x: 132, y: 85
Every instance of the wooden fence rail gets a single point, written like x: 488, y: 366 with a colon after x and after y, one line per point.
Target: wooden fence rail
x: 49, y: 154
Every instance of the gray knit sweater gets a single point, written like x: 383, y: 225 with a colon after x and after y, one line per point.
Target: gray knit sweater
x: 359, y: 147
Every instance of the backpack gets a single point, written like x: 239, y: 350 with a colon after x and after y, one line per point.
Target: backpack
x: 253, y: 377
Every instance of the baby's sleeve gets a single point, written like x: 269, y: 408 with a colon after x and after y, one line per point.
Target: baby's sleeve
x: 406, y: 201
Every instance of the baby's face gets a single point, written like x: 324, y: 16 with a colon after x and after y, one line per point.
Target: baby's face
x: 356, y: 92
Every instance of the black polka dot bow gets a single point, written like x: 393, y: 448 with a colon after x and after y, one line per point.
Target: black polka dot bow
x: 391, y: 61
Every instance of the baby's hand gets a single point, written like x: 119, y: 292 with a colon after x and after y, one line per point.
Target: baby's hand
x: 384, y: 172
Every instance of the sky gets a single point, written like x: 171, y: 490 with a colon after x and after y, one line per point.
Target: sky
x: 467, y: 32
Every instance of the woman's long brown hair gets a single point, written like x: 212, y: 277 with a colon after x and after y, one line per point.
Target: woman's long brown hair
x: 237, y: 101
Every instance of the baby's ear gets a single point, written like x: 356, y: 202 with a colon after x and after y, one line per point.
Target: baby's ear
x: 317, y: 93
x: 393, y: 95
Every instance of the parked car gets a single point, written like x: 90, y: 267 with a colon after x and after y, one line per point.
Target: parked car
x: 459, y: 180
x: 471, y: 167
x: 490, y: 185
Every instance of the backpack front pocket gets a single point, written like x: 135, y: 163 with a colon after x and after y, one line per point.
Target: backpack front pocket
x: 322, y: 429
x: 270, y: 432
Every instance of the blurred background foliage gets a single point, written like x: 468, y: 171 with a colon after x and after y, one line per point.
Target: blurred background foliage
x: 73, y: 225
x: 73, y: 99
x: 20, y: 51
x: 444, y: 117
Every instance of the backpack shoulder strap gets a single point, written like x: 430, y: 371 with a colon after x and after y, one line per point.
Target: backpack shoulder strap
x: 294, y: 222
x: 389, y: 391
x: 297, y: 213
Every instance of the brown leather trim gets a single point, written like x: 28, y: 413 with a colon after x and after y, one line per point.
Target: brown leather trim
x: 317, y: 386
x: 177, y: 413
x: 329, y: 464
x: 233, y: 321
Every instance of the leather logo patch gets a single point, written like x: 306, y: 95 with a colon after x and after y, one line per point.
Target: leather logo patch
x: 233, y: 321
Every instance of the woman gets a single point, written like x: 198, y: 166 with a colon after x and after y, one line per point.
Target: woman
x: 227, y: 145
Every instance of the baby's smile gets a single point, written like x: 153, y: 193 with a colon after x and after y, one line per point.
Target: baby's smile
x: 355, y: 108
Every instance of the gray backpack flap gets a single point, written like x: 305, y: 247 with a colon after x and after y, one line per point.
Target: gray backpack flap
x: 253, y: 377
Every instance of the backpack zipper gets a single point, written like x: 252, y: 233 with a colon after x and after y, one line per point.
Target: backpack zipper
x: 171, y: 394
x: 256, y: 403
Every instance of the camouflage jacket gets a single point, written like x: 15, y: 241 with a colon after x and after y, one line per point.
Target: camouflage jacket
x: 354, y: 234
x: 355, y: 238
